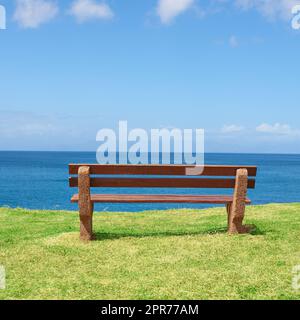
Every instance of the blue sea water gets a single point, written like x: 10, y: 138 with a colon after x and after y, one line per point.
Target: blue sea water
x: 39, y: 180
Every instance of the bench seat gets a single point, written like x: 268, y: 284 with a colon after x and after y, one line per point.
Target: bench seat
x: 154, y: 198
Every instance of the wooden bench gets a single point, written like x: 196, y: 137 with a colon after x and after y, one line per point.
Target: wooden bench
x: 84, y: 176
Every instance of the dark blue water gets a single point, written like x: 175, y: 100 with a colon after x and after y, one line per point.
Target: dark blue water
x: 39, y: 180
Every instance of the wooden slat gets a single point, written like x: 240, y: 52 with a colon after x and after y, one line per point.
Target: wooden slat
x: 153, y: 169
x: 161, y: 183
x: 135, y: 198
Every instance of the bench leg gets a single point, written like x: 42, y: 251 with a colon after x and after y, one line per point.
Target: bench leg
x: 228, y: 209
x: 235, y: 220
x: 86, y: 207
x: 236, y: 210
x: 86, y: 222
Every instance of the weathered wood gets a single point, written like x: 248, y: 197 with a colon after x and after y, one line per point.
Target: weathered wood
x: 85, y: 204
x: 162, y: 183
x: 157, y: 169
x: 159, y: 198
x: 237, y: 209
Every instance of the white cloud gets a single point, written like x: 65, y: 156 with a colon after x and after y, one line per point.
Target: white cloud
x: 231, y: 128
x: 272, y: 9
x: 233, y: 41
x: 85, y: 10
x: 167, y: 10
x: 20, y: 124
x: 278, y: 129
x: 32, y: 13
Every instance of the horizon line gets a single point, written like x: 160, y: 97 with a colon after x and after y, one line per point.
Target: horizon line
x: 209, y: 152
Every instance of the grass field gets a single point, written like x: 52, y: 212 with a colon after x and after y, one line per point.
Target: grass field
x: 180, y: 254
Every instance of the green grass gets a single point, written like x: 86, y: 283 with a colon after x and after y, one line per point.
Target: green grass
x: 176, y: 254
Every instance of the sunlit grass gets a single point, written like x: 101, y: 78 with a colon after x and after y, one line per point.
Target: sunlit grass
x: 176, y: 254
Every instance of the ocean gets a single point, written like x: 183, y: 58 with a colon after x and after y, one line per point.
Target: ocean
x: 39, y: 180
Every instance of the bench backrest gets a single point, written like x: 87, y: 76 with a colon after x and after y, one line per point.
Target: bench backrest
x: 170, y: 176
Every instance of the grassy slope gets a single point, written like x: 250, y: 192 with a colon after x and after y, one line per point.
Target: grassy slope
x: 180, y: 254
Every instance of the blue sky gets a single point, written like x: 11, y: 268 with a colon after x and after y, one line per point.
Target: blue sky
x: 70, y: 68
